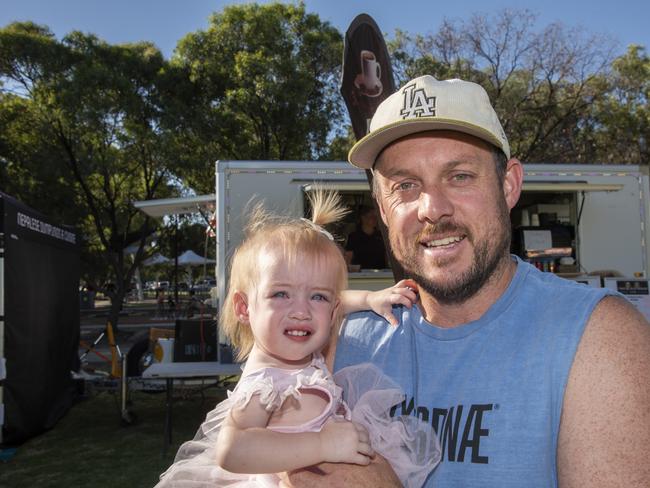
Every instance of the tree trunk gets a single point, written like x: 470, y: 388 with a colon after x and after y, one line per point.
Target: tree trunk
x: 117, y: 299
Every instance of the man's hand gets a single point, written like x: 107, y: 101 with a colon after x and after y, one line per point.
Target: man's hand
x: 378, y: 474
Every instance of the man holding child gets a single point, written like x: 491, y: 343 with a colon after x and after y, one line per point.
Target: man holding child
x: 528, y: 379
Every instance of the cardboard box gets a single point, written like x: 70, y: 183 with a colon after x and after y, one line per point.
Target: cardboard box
x: 562, y: 211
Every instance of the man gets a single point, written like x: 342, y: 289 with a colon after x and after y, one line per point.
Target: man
x: 528, y: 379
x: 365, y: 245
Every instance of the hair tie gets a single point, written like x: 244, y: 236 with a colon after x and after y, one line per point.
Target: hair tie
x: 318, y: 228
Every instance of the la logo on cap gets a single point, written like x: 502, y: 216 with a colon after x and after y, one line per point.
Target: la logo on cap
x: 416, y: 103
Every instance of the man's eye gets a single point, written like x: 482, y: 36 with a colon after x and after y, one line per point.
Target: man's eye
x: 405, y: 186
x: 462, y: 177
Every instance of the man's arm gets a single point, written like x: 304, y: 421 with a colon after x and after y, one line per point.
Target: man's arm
x: 605, y: 425
x: 378, y: 474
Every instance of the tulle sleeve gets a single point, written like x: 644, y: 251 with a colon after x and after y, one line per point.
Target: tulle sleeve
x: 261, y: 384
x: 195, y: 463
x: 409, y: 444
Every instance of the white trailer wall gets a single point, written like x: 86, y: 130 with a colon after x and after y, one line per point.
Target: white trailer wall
x: 611, y: 232
x: 279, y: 184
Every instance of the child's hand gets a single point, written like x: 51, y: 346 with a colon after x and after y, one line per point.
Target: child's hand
x: 402, y: 293
x: 345, y: 442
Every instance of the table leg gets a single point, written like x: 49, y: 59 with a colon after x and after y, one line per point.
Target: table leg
x: 168, y: 415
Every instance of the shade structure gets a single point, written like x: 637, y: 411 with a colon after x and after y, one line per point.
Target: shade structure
x: 190, y: 258
x: 157, y: 259
x: 176, y: 206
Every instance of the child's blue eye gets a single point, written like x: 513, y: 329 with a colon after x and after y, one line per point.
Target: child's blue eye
x: 320, y: 297
x: 280, y: 294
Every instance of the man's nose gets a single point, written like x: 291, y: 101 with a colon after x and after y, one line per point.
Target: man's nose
x: 434, y: 205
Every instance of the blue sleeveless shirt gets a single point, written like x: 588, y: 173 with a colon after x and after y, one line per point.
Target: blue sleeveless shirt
x: 493, y: 388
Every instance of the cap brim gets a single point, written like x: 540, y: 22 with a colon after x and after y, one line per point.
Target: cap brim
x: 364, y: 153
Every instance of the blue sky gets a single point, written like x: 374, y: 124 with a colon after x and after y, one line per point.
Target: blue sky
x: 164, y: 22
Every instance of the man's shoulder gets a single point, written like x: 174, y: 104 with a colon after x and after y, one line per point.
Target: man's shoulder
x: 365, y: 320
x: 369, y: 318
x: 367, y: 329
x: 367, y: 315
x: 612, y: 370
x: 549, y: 286
x: 362, y: 336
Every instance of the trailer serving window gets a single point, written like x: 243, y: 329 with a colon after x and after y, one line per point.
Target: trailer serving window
x: 356, y: 196
x: 546, y: 220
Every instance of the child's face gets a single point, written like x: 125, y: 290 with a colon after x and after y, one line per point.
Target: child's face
x: 292, y: 308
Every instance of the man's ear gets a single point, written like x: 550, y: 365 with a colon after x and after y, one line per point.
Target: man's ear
x: 382, y: 214
x: 512, y: 182
x: 240, y: 302
x: 377, y: 197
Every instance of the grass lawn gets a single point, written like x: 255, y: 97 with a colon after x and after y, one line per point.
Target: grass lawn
x: 90, y: 447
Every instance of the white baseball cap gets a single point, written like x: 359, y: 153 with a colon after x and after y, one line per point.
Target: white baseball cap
x: 428, y: 104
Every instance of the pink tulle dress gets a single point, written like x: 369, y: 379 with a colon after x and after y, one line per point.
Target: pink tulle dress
x: 409, y: 444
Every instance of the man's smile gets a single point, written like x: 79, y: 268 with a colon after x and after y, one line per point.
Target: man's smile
x: 442, y: 242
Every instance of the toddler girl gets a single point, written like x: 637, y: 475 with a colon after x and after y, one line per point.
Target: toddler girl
x: 287, y: 412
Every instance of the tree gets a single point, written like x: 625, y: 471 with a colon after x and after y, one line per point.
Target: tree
x: 619, y: 127
x: 81, y: 138
x: 541, y: 83
x: 264, y: 86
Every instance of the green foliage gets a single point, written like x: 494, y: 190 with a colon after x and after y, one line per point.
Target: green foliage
x: 86, y: 128
x: 264, y: 87
x: 340, y: 145
x: 561, y: 95
x: 82, y: 137
x: 619, y: 129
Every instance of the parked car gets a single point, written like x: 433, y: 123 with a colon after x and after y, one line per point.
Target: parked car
x: 205, y: 285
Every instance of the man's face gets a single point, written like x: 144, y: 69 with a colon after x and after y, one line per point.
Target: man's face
x: 446, y: 212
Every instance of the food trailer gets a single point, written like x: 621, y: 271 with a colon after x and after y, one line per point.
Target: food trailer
x: 583, y: 222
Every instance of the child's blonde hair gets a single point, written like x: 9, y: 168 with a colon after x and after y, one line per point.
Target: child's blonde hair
x: 294, y: 239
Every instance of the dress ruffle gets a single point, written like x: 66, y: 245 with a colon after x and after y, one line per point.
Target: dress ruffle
x: 409, y: 444
x: 273, y: 394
